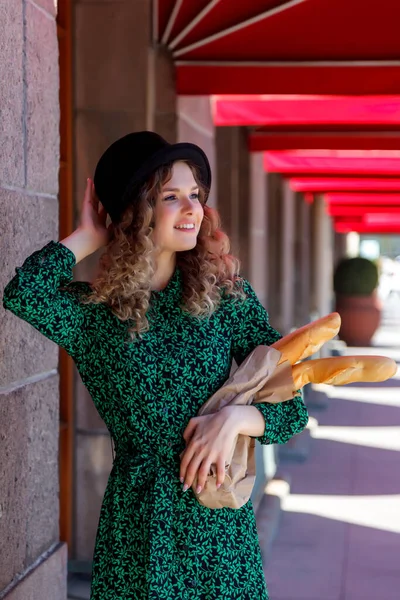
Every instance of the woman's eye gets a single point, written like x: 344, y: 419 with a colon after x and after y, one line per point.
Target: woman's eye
x: 194, y: 196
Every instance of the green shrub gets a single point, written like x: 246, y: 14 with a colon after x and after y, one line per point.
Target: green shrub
x: 355, y: 277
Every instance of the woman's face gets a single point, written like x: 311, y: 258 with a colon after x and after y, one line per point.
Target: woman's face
x: 178, y: 212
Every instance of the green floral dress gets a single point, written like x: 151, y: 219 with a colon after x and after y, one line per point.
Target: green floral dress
x: 154, y: 541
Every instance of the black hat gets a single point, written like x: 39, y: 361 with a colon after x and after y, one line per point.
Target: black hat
x: 129, y: 161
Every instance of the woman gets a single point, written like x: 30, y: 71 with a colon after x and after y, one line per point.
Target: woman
x: 153, y: 338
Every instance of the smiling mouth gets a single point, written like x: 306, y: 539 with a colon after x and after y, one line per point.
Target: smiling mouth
x: 185, y: 228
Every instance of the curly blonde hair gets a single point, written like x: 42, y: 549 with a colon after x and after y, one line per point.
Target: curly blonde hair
x: 128, y: 264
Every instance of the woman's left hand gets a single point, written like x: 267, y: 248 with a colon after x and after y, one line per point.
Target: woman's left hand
x: 209, y: 440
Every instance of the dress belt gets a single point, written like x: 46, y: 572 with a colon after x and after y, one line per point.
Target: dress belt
x: 145, y: 466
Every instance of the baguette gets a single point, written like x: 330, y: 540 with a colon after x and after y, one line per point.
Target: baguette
x: 308, y: 339
x: 341, y: 370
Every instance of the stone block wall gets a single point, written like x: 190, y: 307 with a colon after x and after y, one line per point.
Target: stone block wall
x: 33, y: 563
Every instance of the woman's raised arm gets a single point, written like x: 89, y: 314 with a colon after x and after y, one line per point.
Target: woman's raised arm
x: 35, y: 293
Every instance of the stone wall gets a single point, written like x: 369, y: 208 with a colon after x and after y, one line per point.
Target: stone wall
x: 33, y: 563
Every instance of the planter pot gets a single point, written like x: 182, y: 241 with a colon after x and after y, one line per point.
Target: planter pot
x: 361, y: 317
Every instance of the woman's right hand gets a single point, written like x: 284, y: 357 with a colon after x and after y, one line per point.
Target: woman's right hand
x: 92, y: 232
x: 93, y: 218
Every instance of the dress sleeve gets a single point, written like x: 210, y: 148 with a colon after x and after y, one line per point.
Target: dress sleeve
x: 251, y: 328
x: 34, y: 295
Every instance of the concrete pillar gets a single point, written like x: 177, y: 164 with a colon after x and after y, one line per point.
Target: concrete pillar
x: 33, y: 562
x: 195, y: 125
x: 233, y: 190
x: 287, y: 258
x: 122, y: 83
x: 133, y: 90
x: 340, y: 248
x: 258, y: 275
x: 305, y: 258
x: 297, y: 264
x: 321, y: 284
x: 323, y: 258
x: 243, y: 191
x: 274, y: 208
x: 258, y: 259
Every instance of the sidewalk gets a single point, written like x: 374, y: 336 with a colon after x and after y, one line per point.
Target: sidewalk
x: 339, y: 534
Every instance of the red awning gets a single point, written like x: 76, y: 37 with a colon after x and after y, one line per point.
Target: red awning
x: 283, y: 112
x: 282, y: 46
x: 321, y: 140
x: 340, y: 184
x: 334, y: 162
x: 349, y: 210
x: 313, y: 122
x: 364, y: 213
x: 365, y: 200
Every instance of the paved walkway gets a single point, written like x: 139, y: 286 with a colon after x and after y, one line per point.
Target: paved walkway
x: 339, y: 535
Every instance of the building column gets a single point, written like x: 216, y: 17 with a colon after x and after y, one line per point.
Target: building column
x: 243, y: 194
x: 323, y: 258
x: 266, y: 459
x: 287, y: 258
x: 233, y: 167
x: 258, y: 248
x: 305, y: 256
x: 133, y: 90
x: 274, y: 207
x: 196, y: 125
x: 340, y: 247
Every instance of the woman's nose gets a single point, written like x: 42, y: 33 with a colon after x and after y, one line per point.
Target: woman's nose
x: 188, y: 204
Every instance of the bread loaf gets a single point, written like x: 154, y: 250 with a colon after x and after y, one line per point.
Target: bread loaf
x: 340, y: 370
x: 308, y: 339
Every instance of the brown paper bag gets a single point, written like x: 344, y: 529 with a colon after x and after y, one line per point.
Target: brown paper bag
x: 258, y: 371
